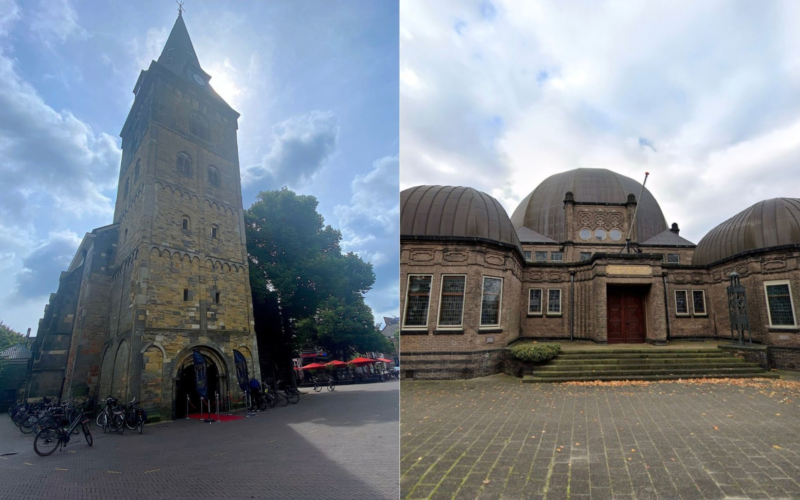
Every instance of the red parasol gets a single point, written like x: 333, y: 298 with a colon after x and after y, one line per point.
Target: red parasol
x: 313, y: 366
x: 384, y: 360
x: 336, y: 362
x: 361, y: 361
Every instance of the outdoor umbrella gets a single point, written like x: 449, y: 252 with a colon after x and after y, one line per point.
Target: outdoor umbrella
x: 361, y: 361
x: 336, y: 362
x: 313, y: 366
x: 384, y: 360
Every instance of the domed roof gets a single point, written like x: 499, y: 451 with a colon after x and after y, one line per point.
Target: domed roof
x: 543, y: 209
x: 768, y: 223
x: 454, y: 211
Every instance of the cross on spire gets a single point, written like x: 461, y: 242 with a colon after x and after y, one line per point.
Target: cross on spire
x: 180, y: 8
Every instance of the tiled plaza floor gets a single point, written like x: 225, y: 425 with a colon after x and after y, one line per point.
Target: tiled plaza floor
x: 339, y: 445
x: 498, y: 438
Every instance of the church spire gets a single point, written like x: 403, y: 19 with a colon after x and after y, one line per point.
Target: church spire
x: 178, y: 54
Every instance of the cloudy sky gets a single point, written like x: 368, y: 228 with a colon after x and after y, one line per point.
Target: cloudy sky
x: 499, y: 95
x: 316, y: 83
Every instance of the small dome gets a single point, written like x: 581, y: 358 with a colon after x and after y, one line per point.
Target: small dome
x: 768, y: 223
x: 454, y: 211
x: 543, y: 209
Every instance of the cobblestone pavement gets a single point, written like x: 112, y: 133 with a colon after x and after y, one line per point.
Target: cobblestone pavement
x: 497, y: 438
x: 340, y: 445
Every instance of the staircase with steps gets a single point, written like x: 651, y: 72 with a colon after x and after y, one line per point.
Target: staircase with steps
x: 644, y: 364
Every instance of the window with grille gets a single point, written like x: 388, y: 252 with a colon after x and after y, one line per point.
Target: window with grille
x: 528, y: 256
x: 198, y: 126
x: 490, y: 304
x: 535, y: 301
x: 681, y: 302
x: 556, y: 256
x: 541, y: 256
x: 554, y: 301
x: 184, y: 164
x: 586, y: 256
x: 417, y: 300
x: 451, y: 305
x: 213, y: 176
x: 699, y: 302
x: 673, y: 258
x: 779, y: 303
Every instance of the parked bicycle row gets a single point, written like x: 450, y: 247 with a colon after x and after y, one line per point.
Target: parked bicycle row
x: 53, y: 423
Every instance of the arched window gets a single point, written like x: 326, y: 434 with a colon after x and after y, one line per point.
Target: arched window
x: 198, y: 126
x: 213, y: 176
x: 186, y: 224
x: 127, y: 188
x: 184, y: 164
x: 136, y: 171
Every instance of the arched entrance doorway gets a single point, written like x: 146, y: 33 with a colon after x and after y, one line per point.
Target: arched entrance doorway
x: 216, y: 376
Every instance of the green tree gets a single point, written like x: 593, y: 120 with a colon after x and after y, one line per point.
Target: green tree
x: 9, y: 337
x: 305, y: 291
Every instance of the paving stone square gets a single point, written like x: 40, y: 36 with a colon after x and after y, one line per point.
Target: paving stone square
x: 495, y: 437
x: 339, y: 445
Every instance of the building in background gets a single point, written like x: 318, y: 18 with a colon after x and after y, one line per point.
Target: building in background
x: 474, y: 280
x: 170, y: 275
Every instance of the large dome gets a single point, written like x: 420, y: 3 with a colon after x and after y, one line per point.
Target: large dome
x: 543, y: 209
x: 454, y: 211
x: 768, y: 223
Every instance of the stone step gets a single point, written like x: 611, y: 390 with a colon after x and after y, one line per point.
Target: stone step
x: 622, y: 361
x: 642, y: 365
x: 649, y: 353
x: 531, y: 379
x: 645, y: 371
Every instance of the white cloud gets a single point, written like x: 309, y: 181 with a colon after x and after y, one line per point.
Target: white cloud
x: 301, y: 146
x: 56, y: 21
x: 543, y: 87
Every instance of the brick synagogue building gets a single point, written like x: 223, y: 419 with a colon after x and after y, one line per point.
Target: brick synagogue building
x: 474, y: 281
x: 170, y: 275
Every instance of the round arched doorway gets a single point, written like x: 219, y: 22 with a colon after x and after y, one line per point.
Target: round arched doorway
x: 185, y: 382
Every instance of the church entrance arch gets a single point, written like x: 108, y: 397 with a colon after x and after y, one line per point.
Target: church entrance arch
x: 185, y: 381
x: 626, y: 314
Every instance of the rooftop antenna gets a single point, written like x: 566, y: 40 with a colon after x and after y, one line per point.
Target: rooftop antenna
x: 629, y: 247
x: 180, y: 8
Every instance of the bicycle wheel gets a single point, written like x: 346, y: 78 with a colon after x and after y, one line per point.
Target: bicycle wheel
x: 119, y: 423
x: 282, y: 399
x: 88, y: 434
x: 140, y: 424
x: 271, y: 401
x: 42, y: 423
x: 293, y: 397
x: 46, y: 442
x: 331, y: 387
x: 317, y: 388
x: 26, y: 426
x: 130, y: 422
x: 102, y: 419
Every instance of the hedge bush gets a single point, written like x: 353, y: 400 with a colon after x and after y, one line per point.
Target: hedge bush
x: 536, y: 353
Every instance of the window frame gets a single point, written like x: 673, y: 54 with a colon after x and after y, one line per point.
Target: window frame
x: 539, y: 252
x: 705, y: 304
x: 557, y: 252
x: 481, y: 325
x: 528, y: 254
x: 189, y: 172
x: 788, y: 284
x: 560, y: 302
x: 214, y: 232
x: 439, y: 325
x: 541, y: 302
x: 405, y: 305
x: 587, y: 254
x: 215, y: 171
x: 675, y: 295
x: 186, y: 223
x: 676, y: 255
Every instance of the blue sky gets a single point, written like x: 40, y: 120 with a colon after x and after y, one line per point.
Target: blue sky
x: 500, y: 94
x: 316, y: 84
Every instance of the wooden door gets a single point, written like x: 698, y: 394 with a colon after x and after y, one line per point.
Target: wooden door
x: 625, y: 313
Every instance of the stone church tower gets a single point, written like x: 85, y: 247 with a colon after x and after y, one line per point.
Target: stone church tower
x: 170, y: 275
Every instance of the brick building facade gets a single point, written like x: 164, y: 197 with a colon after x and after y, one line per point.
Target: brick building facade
x: 474, y: 281
x: 170, y: 275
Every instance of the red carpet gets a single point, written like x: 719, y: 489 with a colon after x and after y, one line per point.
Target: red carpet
x: 222, y: 417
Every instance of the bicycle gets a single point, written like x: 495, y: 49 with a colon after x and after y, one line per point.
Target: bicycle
x: 331, y: 385
x: 317, y: 386
x: 51, y: 438
x: 104, y: 415
x: 290, y: 393
x: 134, y: 417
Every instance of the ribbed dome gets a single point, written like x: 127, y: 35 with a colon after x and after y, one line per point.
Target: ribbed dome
x: 766, y: 224
x: 454, y: 211
x: 543, y: 209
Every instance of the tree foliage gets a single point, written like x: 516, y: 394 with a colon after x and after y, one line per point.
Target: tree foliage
x: 9, y: 337
x: 305, y: 290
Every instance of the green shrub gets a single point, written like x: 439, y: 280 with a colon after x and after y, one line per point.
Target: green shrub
x: 536, y: 353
